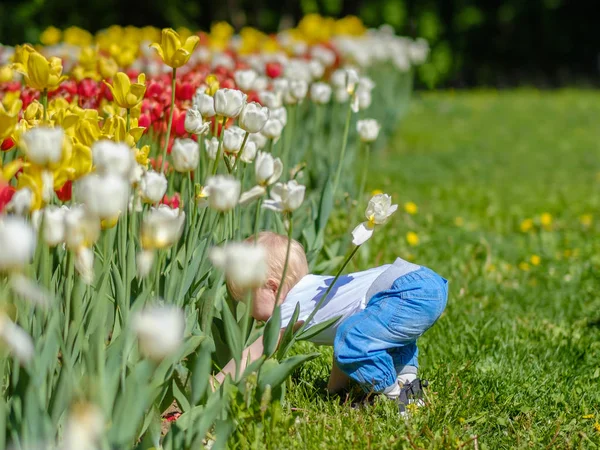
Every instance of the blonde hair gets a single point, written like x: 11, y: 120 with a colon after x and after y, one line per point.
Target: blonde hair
x: 276, y: 249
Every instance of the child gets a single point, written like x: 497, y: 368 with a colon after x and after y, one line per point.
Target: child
x: 382, y: 312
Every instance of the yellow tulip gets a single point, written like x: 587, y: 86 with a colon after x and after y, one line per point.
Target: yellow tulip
x: 50, y: 36
x: 40, y: 73
x: 141, y: 155
x: 172, y: 51
x: 9, y: 118
x: 32, y: 178
x: 126, y: 94
x: 107, y: 67
x: 125, y: 54
x: 115, y: 129
x: 10, y: 170
x: 6, y: 74
x: 77, y: 36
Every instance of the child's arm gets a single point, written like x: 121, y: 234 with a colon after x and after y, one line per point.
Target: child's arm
x: 338, y: 380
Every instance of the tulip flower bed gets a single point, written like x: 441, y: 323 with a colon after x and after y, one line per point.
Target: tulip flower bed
x: 134, y: 165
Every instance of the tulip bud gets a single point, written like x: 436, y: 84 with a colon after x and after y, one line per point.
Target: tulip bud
x: 81, y: 229
x: 229, y: 102
x: 153, y: 186
x: 205, y: 104
x: 54, y: 225
x: 21, y: 201
x: 84, y: 264
x: 185, y: 155
x: 43, y: 146
x: 280, y: 114
x: 212, y: 147
x: 245, y: 264
x: 159, y: 330
x: 112, y: 158
x: 253, y: 117
x: 317, y: 70
x: 223, y: 192
x: 232, y: 139
x: 272, y: 129
x: 364, y: 99
x: 244, y: 79
x: 162, y: 227
x: 259, y: 139
x: 249, y: 152
x: 84, y: 427
x: 322, y: 54
x: 144, y: 261
x: 47, y: 186
x: 378, y: 212
x: 194, y: 124
x: 368, y: 129
x: 17, y: 243
x: 286, y: 197
x: 320, y: 93
x: 270, y: 99
x: 267, y: 169
x: 105, y: 197
x: 346, y: 79
x: 298, y: 89
x: 260, y: 84
x: 18, y: 342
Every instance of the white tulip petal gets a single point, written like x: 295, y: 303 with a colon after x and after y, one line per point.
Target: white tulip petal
x: 361, y: 234
x: 253, y: 194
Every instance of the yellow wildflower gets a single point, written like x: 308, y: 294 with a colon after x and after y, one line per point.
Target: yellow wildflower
x: 376, y: 192
x: 587, y: 416
x: 524, y: 266
x: 535, y: 260
x: 526, y: 225
x: 412, y: 238
x: 546, y: 220
x: 411, y: 208
x: 597, y: 427
x: 459, y: 221
x: 126, y: 94
x: 50, y: 36
x: 172, y: 51
x: 586, y: 220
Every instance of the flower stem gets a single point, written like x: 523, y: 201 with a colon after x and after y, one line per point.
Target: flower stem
x: 343, y: 151
x: 44, y: 98
x: 220, y: 148
x: 257, y: 219
x: 289, y: 135
x: 170, y: 123
x: 365, y: 170
x: 240, y: 152
x: 287, y: 259
x: 128, y: 120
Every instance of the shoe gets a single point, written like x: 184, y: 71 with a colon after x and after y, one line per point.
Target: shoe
x: 411, y: 394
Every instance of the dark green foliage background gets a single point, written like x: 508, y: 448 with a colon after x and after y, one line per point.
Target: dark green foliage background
x: 541, y: 42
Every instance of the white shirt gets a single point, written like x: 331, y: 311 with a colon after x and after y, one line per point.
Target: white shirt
x: 347, y: 297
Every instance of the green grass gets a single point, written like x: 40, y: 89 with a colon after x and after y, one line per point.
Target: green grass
x: 515, y: 358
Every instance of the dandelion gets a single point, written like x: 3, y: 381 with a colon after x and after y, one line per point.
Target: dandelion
x: 546, y: 220
x: 411, y: 208
x: 412, y: 238
x: 597, y: 427
x: 524, y: 266
x: 586, y: 220
x: 535, y: 260
x: 375, y: 192
x: 526, y: 225
x: 459, y: 221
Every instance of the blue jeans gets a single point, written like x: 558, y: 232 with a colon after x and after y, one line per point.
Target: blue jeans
x: 376, y: 344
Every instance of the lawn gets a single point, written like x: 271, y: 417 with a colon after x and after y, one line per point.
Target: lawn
x: 514, y: 362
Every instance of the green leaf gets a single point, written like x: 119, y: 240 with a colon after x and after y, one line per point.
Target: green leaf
x: 315, y: 330
x: 274, y: 373
x: 233, y: 334
x: 272, y: 331
x: 288, y: 333
x: 201, y: 372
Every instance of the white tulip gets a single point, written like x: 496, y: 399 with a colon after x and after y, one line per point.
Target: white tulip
x: 341, y: 95
x: 194, y: 124
x: 270, y: 99
x: 368, y: 129
x: 244, y: 264
x: 345, y: 78
x: 185, y: 155
x: 105, y: 197
x: 21, y: 201
x: 159, y: 330
x: 363, y: 98
x: 136, y: 174
x: 280, y: 114
x: 229, y: 102
x: 43, y: 146
x: 252, y: 194
x: 223, y: 192
x: 47, y: 185
x: 233, y: 138
x: 267, y: 169
x: 249, y: 152
x: 205, y: 104
x: 401, y: 62
x: 320, y: 93
x: 317, y: 69
x: 17, y: 243
x: 162, y: 227
x: 17, y: 340
x: 112, y: 158
x: 84, y: 428
x: 418, y: 51
x: 202, y: 197
x: 153, y: 186
x: 84, y: 264
x: 272, y: 129
x: 322, y: 54
x: 286, y: 197
x: 144, y: 261
x: 54, y: 225
x: 259, y: 139
x: 29, y: 290
x: 299, y: 89
x: 281, y: 86
x: 212, y: 147
x: 81, y: 228
x: 260, y: 84
x: 378, y: 211
x: 365, y: 83
x: 244, y: 79
x: 253, y: 117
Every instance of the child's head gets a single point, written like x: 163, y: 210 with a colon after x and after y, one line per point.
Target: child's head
x: 276, y: 248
